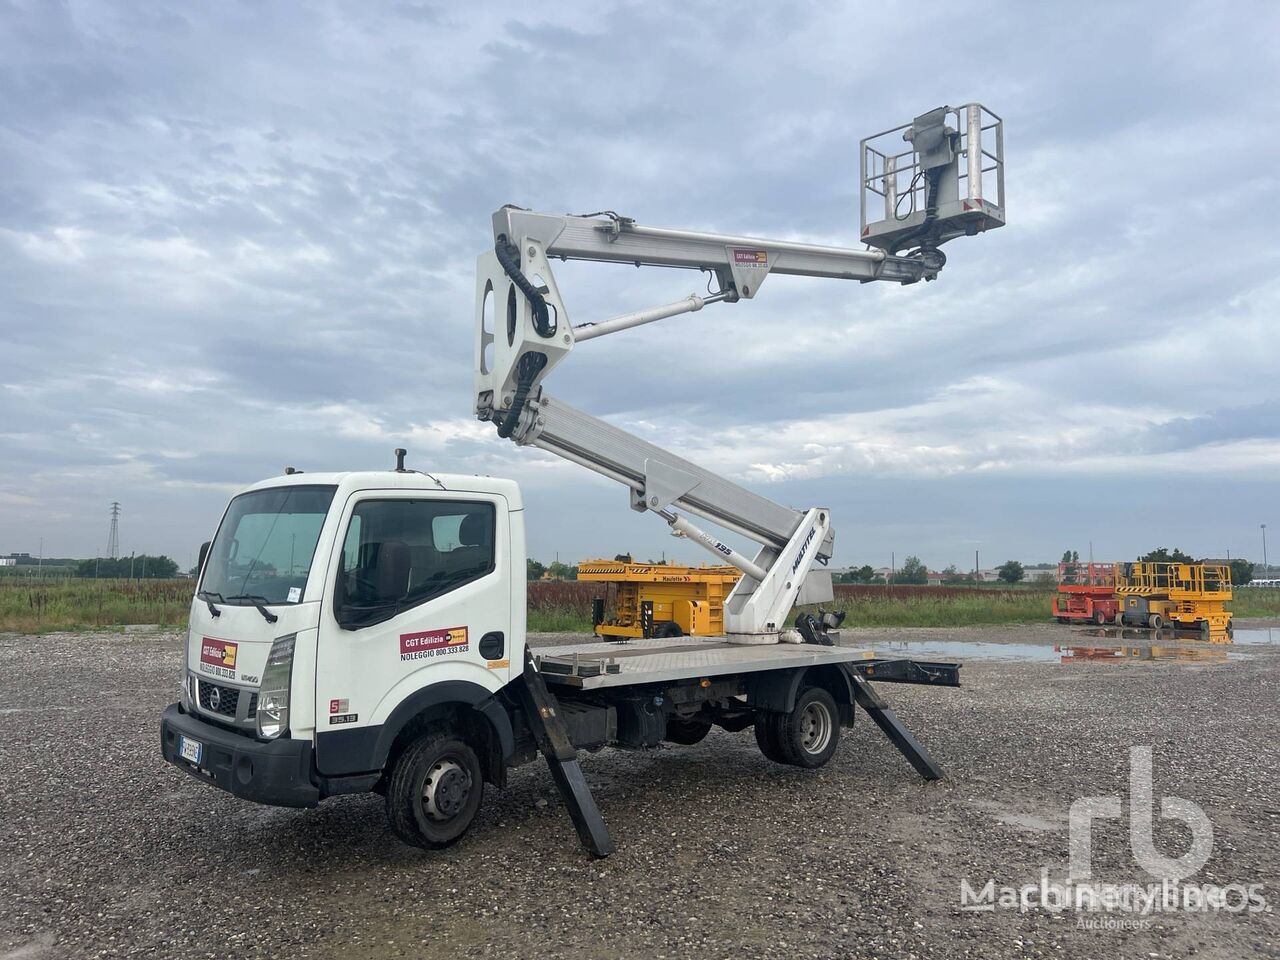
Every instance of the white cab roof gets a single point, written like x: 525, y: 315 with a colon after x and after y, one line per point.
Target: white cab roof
x: 353, y: 481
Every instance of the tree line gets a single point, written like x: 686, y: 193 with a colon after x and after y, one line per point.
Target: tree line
x: 914, y: 572
x: 559, y: 571
x: 144, y: 566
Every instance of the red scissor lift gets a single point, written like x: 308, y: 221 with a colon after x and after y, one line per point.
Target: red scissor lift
x: 1086, y: 591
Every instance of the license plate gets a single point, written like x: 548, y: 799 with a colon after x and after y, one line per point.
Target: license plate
x: 190, y: 750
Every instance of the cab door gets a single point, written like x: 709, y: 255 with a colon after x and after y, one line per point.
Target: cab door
x: 417, y: 595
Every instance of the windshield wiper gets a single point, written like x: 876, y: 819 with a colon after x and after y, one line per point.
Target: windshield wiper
x: 259, y: 602
x: 206, y: 596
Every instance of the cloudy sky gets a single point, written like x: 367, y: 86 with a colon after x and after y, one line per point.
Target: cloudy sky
x: 241, y: 235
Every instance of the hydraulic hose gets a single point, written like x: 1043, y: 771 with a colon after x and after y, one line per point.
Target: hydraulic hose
x: 528, y: 367
x: 509, y: 256
x: 925, y: 231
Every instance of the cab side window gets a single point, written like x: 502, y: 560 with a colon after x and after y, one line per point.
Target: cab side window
x: 400, y: 553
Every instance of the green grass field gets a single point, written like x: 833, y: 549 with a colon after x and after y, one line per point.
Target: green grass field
x: 65, y: 603
x: 42, y: 605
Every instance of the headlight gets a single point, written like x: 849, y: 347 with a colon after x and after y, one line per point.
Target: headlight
x: 273, y: 697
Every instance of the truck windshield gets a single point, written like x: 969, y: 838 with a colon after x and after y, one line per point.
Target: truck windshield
x: 263, y: 550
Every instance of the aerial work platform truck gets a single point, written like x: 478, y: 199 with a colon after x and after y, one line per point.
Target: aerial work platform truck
x: 365, y: 631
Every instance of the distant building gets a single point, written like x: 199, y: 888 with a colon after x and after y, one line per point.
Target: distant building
x: 8, y: 562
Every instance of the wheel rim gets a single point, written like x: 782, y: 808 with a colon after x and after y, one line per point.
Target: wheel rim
x: 815, y: 728
x: 446, y: 790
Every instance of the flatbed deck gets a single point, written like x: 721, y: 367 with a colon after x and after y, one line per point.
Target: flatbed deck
x: 601, y: 664
x: 604, y: 665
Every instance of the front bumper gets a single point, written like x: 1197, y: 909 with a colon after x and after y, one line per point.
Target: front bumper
x: 275, y: 772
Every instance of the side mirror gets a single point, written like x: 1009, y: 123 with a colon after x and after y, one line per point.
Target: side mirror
x: 204, y: 552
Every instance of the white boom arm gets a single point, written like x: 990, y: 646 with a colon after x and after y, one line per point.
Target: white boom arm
x: 523, y: 331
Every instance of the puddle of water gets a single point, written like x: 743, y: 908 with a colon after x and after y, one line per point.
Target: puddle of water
x: 1263, y: 635
x: 1147, y: 635
x: 1107, y: 653
x: 1257, y: 635
x: 1123, y: 633
x: 973, y: 649
x: 1061, y: 653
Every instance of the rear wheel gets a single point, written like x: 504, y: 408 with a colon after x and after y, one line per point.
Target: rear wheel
x: 668, y: 628
x: 809, y: 734
x: 1205, y: 630
x: 1099, y: 617
x: 767, y: 735
x: 435, y: 791
x: 1155, y: 621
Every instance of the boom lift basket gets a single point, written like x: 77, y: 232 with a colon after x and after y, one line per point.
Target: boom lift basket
x: 897, y: 183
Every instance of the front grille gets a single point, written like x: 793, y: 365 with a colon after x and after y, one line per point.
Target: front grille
x: 227, y: 699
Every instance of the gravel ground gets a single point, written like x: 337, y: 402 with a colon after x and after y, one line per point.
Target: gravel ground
x: 108, y: 852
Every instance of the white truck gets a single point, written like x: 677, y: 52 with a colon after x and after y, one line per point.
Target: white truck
x: 366, y: 631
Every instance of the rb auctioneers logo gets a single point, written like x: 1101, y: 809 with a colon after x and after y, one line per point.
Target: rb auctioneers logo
x: 218, y: 657
x: 1135, y: 901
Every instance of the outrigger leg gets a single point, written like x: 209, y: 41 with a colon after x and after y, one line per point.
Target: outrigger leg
x: 893, y: 728
x: 562, y: 758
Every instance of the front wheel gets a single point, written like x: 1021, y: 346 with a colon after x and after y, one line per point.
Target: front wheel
x: 1155, y: 621
x: 435, y: 791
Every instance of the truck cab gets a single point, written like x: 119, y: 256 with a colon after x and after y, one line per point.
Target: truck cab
x: 338, y: 614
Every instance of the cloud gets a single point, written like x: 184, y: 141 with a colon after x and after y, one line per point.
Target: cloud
x: 233, y: 237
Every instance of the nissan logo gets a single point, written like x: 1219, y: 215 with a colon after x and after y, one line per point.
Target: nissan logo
x: 215, y: 698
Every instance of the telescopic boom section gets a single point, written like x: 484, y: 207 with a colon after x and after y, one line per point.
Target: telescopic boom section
x: 523, y: 331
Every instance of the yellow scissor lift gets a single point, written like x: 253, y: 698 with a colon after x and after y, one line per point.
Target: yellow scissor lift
x: 1185, y: 596
x: 658, y: 599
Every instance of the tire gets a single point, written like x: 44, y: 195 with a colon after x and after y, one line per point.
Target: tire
x: 444, y: 766
x: 1155, y: 621
x: 809, y: 734
x: 1099, y: 617
x: 686, y: 732
x: 1206, y: 631
x: 667, y: 629
x: 1231, y: 630
x: 767, y: 735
